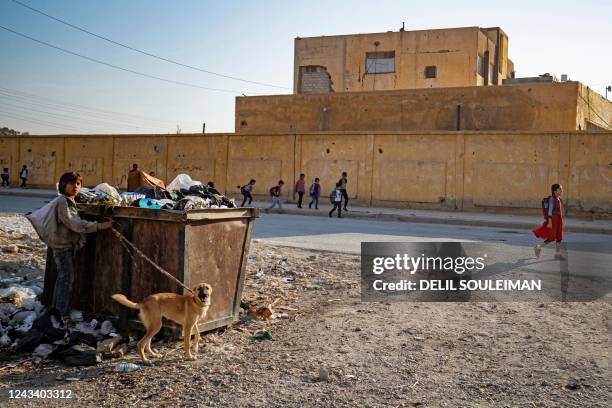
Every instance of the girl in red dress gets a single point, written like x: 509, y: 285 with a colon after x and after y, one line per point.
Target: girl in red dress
x: 552, y: 229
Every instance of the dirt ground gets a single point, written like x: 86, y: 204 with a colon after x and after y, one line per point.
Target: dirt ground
x: 329, y: 348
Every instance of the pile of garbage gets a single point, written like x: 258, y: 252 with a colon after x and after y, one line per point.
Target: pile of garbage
x: 182, y: 194
x: 26, y: 326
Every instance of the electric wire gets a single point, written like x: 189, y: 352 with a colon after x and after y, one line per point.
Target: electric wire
x: 35, y: 99
x: 145, y: 52
x: 82, y: 115
x: 172, y: 81
x: 60, y: 116
x: 43, y: 122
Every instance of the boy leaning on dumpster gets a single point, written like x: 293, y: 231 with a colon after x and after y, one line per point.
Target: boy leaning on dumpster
x: 64, y: 232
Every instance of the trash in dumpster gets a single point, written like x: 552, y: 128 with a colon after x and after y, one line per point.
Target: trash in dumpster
x: 182, y: 193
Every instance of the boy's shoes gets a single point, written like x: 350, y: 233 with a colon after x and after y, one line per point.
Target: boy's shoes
x: 330, y: 215
x: 339, y: 216
x: 316, y: 208
x: 537, y: 250
x: 309, y: 205
x: 345, y: 209
x: 560, y: 256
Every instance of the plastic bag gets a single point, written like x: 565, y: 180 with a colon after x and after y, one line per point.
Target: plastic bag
x: 107, y: 189
x: 182, y: 181
x: 41, y: 218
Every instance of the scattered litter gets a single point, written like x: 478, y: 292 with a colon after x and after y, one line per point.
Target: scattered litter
x: 80, y: 355
x: 72, y: 379
x: 262, y: 335
x: 323, y: 374
x: 43, y: 350
x: 11, y: 249
x: 125, y: 367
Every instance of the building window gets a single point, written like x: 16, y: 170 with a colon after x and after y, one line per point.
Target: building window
x: 430, y: 71
x: 480, y: 66
x: 380, y: 62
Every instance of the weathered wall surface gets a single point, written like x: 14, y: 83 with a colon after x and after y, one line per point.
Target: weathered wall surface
x: 444, y: 170
x: 550, y: 106
x: 594, y: 111
x: 453, y: 51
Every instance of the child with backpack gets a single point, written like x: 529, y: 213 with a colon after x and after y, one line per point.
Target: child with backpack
x: 275, y: 193
x: 315, y: 193
x: 5, y: 177
x: 246, y: 192
x: 552, y: 229
x: 336, y: 199
x: 300, y: 189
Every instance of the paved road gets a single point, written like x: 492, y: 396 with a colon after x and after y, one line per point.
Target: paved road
x: 346, y: 235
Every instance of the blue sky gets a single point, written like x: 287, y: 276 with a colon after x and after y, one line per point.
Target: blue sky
x: 246, y: 39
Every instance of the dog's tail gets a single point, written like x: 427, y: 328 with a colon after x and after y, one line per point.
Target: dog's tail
x: 125, y: 301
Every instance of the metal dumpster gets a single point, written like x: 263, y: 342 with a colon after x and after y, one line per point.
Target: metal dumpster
x: 208, y: 245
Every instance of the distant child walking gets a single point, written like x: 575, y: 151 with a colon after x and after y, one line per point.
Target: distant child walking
x: 315, y: 193
x: 275, y: 193
x: 5, y: 177
x: 246, y: 192
x: 552, y: 229
x: 336, y: 199
x: 300, y: 188
x: 23, y: 175
x: 343, y: 180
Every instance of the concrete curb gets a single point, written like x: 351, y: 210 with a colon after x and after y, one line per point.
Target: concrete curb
x: 377, y: 216
x: 26, y: 193
x: 438, y: 220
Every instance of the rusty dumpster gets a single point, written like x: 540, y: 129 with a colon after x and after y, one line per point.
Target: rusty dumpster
x: 207, y: 245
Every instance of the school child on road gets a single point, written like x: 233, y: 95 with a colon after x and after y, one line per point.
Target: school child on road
x: 343, y: 180
x: 23, y: 175
x: 300, y: 188
x: 336, y: 199
x: 275, y: 194
x: 246, y: 192
x: 5, y: 177
x: 315, y: 193
x: 552, y: 229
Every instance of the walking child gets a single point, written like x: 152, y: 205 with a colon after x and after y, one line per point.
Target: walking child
x: 552, y: 229
x: 343, y: 180
x: 23, y: 175
x: 315, y: 193
x: 5, y: 177
x: 300, y: 188
x: 275, y: 193
x: 336, y: 199
x: 246, y: 192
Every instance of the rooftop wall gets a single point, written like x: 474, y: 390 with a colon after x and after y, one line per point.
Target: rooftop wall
x: 537, y: 107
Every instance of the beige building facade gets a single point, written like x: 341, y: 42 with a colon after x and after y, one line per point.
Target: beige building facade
x: 454, y: 57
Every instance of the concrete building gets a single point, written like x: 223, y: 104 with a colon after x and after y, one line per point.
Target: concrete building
x: 428, y: 80
x: 552, y: 106
x: 470, y: 56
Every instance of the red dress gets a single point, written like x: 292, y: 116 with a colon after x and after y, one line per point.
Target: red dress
x: 556, y: 232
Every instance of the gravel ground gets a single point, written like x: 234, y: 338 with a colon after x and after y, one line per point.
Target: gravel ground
x: 328, y: 348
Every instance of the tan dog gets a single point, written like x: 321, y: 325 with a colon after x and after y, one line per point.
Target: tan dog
x: 185, y: 310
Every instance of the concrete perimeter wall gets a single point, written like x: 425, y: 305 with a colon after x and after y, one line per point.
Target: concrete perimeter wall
x: 437, y: 170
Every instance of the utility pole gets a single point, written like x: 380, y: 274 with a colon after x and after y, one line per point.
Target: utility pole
x: 608, y: 89
x: 203, y: 127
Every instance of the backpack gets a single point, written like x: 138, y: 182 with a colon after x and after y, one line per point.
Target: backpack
x: 274, y: 191
x: 545, y: 206
x: 311, y: 190
x: 332, y: 196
